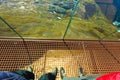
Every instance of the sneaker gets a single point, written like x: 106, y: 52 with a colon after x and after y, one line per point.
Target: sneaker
x: 62, y: 72
x: 30, y: 69
x: 55, y: 71
x: 80, y: 71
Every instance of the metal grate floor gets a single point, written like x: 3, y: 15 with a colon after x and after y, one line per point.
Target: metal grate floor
x: 96, y: 57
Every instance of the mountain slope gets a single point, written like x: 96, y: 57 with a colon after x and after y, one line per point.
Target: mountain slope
x: 40, y: 22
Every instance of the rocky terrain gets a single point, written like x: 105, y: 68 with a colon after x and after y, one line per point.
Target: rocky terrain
x: 17, y: 4
x: 48, y: 19
x: 107, y: 6
x: 110, y: 8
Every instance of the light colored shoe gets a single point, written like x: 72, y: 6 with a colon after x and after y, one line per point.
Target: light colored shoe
x: 30, y: 68
x: 62, y: 72
x: 55, y: 71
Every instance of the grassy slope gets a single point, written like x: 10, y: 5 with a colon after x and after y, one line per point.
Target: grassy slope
x: 46, y: 25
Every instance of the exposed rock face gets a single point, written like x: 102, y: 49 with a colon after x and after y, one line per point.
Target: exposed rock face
x: 90, y: 10
x: 110, y: 8
x: 110, y: 13
x: 65, y: 7
x: 107, y: 8
x: 18, y: 4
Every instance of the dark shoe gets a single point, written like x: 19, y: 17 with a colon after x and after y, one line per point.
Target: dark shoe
x: 55, y: 71
x: 80, y: 71
x: 62, y: 72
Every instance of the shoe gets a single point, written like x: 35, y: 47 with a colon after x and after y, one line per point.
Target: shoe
x: 30, y: 69
x: 80, y: 71
x: 62, y: 72
x: 55, y: 71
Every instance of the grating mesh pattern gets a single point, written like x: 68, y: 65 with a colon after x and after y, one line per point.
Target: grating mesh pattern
x: 94, y: 56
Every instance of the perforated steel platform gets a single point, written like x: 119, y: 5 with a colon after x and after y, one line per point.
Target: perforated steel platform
x: 96, y: 57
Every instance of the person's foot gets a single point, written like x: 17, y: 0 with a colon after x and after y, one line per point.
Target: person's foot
x: 62, y: 72
x: 80, y: 71
x: 30, y: 69
x: 55, y: 71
